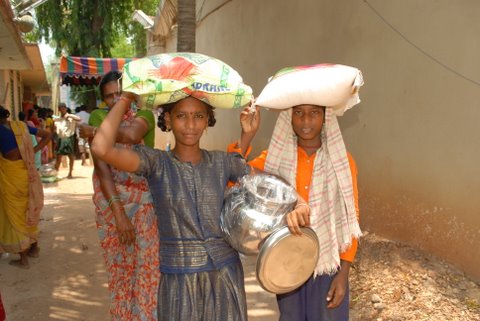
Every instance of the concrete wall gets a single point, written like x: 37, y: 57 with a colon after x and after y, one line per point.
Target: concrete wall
x: 415, y: 135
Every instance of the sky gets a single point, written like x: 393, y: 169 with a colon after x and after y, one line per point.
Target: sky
x: 47, y: 52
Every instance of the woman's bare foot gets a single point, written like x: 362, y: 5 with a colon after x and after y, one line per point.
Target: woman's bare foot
x: 21, y: 263
x: 34, y: 251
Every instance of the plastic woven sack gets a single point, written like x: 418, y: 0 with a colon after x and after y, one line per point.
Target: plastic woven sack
x: 329, y: 85
x: 167, y: 78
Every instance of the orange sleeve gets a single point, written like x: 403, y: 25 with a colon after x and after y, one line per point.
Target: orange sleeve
x: 349, y: 255
x: 233, y: 148
x: 258, y: 162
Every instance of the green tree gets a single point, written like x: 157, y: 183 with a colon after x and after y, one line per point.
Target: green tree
x: 94, y: 28
x: 85, y: 27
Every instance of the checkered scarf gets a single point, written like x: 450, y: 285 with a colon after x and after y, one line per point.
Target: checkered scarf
x: 333, y: 214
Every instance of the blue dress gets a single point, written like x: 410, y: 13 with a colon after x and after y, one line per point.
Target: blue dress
x: 202, y: 276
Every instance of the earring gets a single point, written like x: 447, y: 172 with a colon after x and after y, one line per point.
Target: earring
x: 168, y: 145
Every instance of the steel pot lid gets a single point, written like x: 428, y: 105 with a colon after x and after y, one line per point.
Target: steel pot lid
x: 286, y: 261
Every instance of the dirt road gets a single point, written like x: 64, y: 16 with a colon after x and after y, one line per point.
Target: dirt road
x: 389, y: 280
x: 68, y: 280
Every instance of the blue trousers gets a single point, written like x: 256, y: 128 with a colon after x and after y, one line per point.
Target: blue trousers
x: 309, y: 302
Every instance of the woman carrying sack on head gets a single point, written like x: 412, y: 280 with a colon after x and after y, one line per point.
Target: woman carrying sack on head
x: 307, y: 149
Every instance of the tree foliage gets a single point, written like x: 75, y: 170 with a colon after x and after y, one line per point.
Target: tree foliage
x: 92, y: 27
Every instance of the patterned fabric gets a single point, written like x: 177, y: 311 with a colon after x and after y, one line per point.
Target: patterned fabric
x: 47, y: 151
x: 38, y: 155
x: 21, y: 195
x: 331, y: 197
x: 65, y: 146
x: 88, y: 70
x: 97, y: 116
x: 304, y: 178
x: 217, y: 295
x: 201, y: 273
x: 169, y: 77
x: 133, y: 271
x: 35, y: 187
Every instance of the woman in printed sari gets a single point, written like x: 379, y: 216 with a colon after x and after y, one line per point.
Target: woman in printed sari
x: 47, y: 124
x: 21, y: 191
x: 125, y: 216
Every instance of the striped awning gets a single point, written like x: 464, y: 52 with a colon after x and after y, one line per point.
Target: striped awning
x: 88, y: 71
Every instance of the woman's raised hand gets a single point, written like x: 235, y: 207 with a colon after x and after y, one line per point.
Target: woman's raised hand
x: 250, y: 120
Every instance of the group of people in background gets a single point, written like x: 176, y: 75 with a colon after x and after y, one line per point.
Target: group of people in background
x: 41, y: 118
x: 21, y: 191
x: 35, y: 139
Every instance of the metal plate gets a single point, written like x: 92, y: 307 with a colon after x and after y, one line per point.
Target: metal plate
x: 286, y: 261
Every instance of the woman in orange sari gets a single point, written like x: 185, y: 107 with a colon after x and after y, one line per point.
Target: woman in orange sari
x: 21, y: 191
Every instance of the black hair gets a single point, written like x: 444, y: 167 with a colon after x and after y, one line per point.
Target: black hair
x: 22, y: 116
x: 4, y: 113
x: 42, y: 113
x: 109, y: 77
x: 167, y: 108
x: 30, y: 113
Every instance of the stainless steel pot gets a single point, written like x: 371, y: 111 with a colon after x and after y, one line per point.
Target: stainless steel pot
x: 47, y: 170
x: 254, y: 209
x: 253, y: 221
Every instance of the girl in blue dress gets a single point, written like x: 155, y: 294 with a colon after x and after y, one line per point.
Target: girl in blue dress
x: 202, y: 276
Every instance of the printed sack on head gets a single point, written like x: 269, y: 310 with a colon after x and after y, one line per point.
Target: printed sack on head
x: 167, y: 78
x: 329, y: 85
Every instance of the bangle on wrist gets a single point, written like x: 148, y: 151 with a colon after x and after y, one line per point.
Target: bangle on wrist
x: 113, y: 199
x: 125, y: 99
x: 126, y: 106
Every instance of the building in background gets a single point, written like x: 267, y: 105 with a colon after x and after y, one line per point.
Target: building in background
x: 22, y: 76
